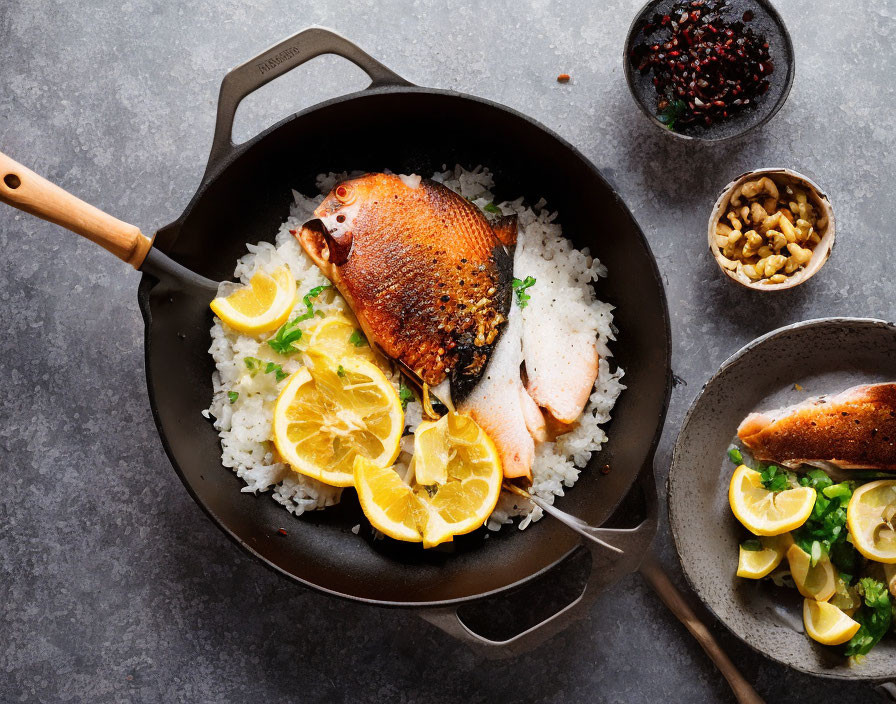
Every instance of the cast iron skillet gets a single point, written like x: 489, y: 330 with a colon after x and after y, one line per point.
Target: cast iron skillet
x: 822, y: 356
x: 245, y: 194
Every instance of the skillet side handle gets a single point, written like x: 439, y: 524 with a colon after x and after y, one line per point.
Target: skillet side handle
x: 886, y: 691
x: 279, y: 59
x: 606, y: 568
x: 21, y: 188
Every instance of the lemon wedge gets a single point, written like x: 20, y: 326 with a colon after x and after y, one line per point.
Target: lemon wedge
x: 431, y: 453
x: 262, y: 306
x: 766, y: 512
x: 756, y: 564
x: 390, y: 505
x: 826, y: 623
x: 890, y: 578
x: 332, y: 411
x: 819, y: 582
x: 871, y: 519
x: 462, y: 476
x: 461, y: 481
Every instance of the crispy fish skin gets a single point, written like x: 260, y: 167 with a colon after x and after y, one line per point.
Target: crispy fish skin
x: 424, y: 271
x: 855, y: 429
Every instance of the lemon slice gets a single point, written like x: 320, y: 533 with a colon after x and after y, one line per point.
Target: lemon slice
x: 390, y: 505
x: 333, y: 335
x: 871, y: 519
x: 819, y: 582
x: 826, y: 623
x: 262, y: 306
x: 331, y: 412
x: 756, y: 564
x: 463, y: 478
x: 766, y: 512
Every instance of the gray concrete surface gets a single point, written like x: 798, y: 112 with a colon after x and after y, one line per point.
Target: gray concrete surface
x: 113, y: 585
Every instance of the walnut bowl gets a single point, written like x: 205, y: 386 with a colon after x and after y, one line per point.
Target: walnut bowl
x: 782, y: 178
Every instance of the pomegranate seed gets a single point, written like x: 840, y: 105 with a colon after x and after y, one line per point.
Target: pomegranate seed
x: 706, y: 66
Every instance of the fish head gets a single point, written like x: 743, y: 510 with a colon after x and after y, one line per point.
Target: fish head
x: 346, y: 212
x: 338, y: 212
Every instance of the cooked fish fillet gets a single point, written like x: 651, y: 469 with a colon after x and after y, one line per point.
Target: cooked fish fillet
x: 533, y: 416
x: 855, y: 429
x: 426, y: 274
x: 496, y: 403
x: 559, y: 341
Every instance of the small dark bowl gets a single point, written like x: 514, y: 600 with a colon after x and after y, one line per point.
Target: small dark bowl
x: 766, y: 22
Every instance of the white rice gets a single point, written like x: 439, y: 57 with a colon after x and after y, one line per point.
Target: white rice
x: 245, y: 425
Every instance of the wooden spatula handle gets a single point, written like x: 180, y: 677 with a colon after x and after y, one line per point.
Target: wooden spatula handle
x: 23, y: 189
x: 672, y: 598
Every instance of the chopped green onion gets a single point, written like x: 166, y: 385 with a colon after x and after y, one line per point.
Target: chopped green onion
x: 734, y: 454
x: 493, y: 209
x: 233, y: 396
x: 842, y: 491
x: 357, y: 339
x: 306, y: 299
x: 253, y: 364
x: 815, y: 553
x: 340, y: 371
x: 874, y: 616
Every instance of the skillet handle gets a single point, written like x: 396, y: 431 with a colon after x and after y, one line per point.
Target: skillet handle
x: 606, y: 568
x: 279, y: 59
x: 21, y: 188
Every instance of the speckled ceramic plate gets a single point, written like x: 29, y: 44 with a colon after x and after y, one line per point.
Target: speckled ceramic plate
x: 783, y: 367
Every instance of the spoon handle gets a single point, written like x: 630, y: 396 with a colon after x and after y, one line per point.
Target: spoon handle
x: 673, y: 599
x: 21, y: 188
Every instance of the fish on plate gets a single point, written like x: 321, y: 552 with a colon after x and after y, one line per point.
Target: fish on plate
x: 854, y: 429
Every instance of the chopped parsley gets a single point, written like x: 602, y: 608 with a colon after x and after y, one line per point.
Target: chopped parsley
x: 776, y: 479
x: 255, y: 365
x: 405, y: 395
x: 753, y: 545
x: 493, y: 209
x: 874, y: 616
x: 282, y: 342
x: 734, y: 454
x: 340, y: 372
x: 233, y: 396
x: 519, y: 287
x: 357, y: 339
x: 276, y: 369
x: 824, y: 532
